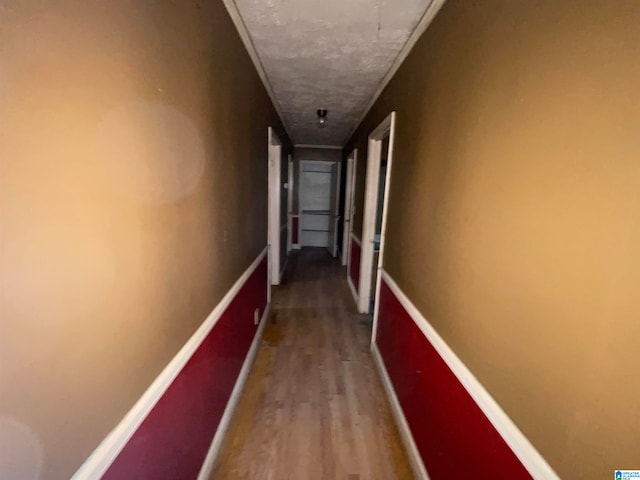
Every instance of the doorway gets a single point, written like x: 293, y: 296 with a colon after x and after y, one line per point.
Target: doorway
x: 379, y: 158
x: 318, y: 204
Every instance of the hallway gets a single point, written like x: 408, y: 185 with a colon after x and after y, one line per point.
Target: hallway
x: 313, y: 406
x: 478, y: 161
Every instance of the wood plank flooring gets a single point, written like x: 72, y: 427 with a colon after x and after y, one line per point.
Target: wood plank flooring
x: 313, y: 407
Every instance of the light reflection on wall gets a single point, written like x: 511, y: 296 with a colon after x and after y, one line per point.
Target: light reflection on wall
x: 21, y: 454
x: 150, y: 152
x: 98, y: 165
x: 132, y: 138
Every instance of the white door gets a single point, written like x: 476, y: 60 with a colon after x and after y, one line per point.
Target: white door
x: 349, y: 207
x: 274, y: 187
x: 334, y: 209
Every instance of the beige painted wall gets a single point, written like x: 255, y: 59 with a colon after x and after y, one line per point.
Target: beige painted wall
x: 133, y: 183
x: 514, y: 207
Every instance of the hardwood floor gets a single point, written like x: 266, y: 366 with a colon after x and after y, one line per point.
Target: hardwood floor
x: 313, y: 407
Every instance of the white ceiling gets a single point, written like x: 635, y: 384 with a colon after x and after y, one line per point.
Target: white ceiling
x: 330, y: 54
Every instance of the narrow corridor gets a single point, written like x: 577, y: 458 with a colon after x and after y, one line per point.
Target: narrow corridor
x: 313, y: 406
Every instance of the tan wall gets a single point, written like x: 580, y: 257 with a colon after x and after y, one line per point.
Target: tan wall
x: 514, y: 207
x: 133, y: 175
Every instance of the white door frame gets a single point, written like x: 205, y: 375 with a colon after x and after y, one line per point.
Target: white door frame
x: 274, y: 198
x: 374, y: 150
x: 335, y: 215
x: 349, y: 211
x: 289, y: 204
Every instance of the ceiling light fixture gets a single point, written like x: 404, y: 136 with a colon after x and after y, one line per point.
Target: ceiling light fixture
x: 322, y: 117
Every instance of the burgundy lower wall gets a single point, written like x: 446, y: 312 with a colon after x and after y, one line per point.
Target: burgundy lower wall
x: 294, y: 230
x: 354, y: 264
x: 173, y: 440
x: 453, y: 436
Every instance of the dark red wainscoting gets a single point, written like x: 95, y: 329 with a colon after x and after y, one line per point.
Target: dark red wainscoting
x: 173, y: 440
x: 294, y: 230
x: 354, y: 264
x: 454, y: 437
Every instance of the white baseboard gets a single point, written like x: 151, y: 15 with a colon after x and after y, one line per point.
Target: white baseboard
x: 296, y: 246
x: 103, y: 456
x: 352, y: 287
x: 216, y: 443
x: 530, y: 458
x: 410, y: 446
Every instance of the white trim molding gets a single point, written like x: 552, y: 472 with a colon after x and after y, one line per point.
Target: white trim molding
x: 234, y: 13
x: 325, y: 147
x: 103, y: 456
x: 352, y: 287
x: 306, y: 160
x: 420, y: 28
x: 348, y: 209
x: 530, y: 458
x: 417, y: 465
x: 274, y: 202
x: 223, y: 426
x: 290, y: 182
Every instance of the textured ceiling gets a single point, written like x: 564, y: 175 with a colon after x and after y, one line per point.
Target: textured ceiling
x: 329, y: 54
